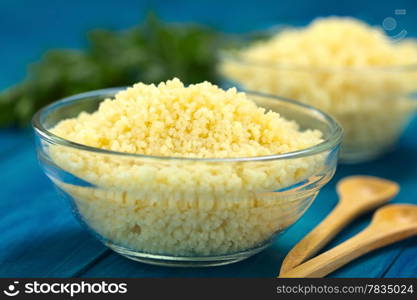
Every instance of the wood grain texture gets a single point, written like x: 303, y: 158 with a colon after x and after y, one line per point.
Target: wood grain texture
x: 405, y: 265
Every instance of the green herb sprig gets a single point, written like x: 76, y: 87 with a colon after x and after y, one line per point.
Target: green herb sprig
x: 151, y: 52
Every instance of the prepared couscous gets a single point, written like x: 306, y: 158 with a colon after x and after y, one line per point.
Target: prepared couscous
x: 155, y: 204
x: 342, y: 66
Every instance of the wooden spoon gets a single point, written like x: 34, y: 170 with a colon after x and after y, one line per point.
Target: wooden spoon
x: 357, y: 195
x: 389, y: 224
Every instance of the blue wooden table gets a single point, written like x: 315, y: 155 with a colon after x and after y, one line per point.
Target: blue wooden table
x: 39, y: 236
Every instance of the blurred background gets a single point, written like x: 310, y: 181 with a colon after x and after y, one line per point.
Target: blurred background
x: 29, y: 29
x: 54, y: 48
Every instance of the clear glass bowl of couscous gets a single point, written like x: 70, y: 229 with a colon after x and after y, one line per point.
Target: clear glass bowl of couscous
x: 183, y: 211
x: 342, y: 66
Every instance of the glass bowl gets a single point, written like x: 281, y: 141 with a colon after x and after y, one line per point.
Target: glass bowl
x: 185, y: 211
x: 372, y: 104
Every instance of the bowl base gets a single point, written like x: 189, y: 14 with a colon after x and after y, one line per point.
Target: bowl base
x: 185, y: 261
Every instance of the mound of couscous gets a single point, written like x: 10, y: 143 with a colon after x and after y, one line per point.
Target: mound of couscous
x: 201, y: 120
x: 185, y: 207
x: 343, y: 66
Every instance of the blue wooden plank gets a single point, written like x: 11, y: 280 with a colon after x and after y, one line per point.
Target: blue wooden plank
x: 38, y: 234
x: 12, y: 140
x: 21, y: 174
x: 42, y: 239
x: 406, y: 264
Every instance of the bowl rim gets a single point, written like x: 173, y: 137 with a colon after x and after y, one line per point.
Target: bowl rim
x: 331, y: 142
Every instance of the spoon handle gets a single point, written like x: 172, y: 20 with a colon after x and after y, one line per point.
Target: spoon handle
x: 367, y: 240
x: 319, y: 236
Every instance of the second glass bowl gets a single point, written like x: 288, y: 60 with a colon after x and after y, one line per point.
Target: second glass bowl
x: 372, y: 104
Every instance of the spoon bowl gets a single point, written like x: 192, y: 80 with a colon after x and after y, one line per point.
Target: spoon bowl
x: 396, y: 217
x: 366, y: 190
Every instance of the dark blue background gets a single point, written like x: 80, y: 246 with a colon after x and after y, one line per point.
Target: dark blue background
x: 38, y: 235
x: 29, y: 27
